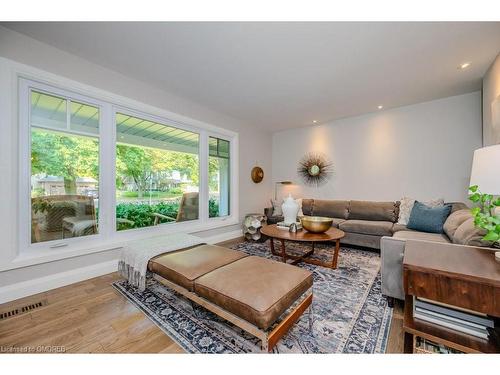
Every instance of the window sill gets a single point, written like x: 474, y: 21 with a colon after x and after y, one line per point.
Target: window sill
x: 30, y: 257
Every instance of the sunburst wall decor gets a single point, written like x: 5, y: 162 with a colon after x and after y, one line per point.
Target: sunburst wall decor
x: 315, y: 169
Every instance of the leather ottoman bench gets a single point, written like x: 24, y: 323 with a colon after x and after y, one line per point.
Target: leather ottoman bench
x: 254, y: 293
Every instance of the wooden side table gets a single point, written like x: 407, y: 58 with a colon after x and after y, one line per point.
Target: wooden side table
x: 461, y: 276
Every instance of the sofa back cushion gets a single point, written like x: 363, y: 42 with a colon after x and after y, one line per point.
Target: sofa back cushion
x: 374, y: 211
x: 455, y: 206
x: 330, y: 208
x: 468, y: 234
x: 455, y: 219
x: 307, y: 206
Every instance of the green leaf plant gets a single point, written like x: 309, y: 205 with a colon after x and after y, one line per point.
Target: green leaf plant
x: 484, y: 214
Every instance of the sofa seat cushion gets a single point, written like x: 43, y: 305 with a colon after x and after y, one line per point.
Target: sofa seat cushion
x: 399, y: 227
x: 422, y: 236
x: 183, y: 267
x: 336, y: 222
x: 377, y: 228
x: 256, y: 289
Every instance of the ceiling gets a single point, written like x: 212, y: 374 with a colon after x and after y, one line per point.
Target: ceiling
x: 285, y: 75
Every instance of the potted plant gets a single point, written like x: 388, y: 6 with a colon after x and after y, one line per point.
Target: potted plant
x: 484, y: 214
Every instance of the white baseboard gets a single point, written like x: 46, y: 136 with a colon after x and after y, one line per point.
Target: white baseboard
x: 27, y: 288
x: 43, y: 284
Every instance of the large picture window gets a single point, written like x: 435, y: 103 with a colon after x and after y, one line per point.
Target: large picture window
x: 95, y: 172
x: 64, y: 168
x: 157, y: 173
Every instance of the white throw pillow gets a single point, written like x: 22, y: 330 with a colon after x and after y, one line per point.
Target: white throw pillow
x: 406, y: 206
x: 299, y: 202
x: 277, y: 211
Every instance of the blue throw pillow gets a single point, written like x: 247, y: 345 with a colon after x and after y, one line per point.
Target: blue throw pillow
x: 428, y: 219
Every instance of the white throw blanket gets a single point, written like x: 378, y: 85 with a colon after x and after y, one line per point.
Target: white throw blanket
x: 136, y: 255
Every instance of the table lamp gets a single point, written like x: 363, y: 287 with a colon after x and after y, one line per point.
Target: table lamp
x: 276, y: 187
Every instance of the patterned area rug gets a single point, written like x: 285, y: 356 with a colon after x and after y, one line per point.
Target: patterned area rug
x: 350, y: 314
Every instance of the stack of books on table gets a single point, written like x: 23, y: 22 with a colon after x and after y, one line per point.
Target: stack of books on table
x: 282, y: 225
x: 455, y: 318
x: 423, y: 346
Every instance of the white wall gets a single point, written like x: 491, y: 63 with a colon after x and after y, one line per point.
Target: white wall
x: 255, y: 146
x: 491, y: 92
x: 422, y: 150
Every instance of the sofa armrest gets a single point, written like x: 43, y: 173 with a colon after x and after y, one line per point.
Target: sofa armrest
x: 392, y: 253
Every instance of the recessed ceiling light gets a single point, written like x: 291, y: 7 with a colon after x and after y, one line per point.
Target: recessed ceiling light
x: 315, y: 121
x: 380, y: 107
x: 464, y: 65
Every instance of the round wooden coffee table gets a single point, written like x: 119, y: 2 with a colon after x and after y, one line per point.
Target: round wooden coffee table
x: 332, y: 234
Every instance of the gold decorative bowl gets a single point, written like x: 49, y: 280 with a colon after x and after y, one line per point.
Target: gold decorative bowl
x: 316, y: 224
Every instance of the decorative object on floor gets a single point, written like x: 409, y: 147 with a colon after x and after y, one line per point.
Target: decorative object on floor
x: 251, y: 227
x: 485, y: 176
x: 350, y: 313
x: 276, y: 184
x: 290, y: 209
x: 316, y: 224
x: 257, y: 174
x: 314, y: 169
x: 331, y: 235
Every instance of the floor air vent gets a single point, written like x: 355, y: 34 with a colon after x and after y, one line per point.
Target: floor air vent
x: 22, y: 310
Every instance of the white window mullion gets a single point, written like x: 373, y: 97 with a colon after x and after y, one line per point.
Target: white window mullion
x: 24, y: 223
x: 203, y: 196
x: 107, y: 156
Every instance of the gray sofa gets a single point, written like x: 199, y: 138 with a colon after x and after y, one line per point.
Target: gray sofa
x: 459, y: 230
x: 374, y: 225
x: 364, y: 222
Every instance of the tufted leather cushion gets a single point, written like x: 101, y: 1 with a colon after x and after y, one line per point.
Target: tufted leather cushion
x: 183, y: 267
x: 256, y: 289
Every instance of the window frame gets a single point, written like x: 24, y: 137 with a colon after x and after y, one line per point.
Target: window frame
x: 108, y: 237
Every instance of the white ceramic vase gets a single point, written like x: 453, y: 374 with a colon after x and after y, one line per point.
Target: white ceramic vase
x: 290, y: 210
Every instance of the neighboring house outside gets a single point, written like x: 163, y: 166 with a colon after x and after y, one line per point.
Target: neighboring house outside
x: 54, y: 185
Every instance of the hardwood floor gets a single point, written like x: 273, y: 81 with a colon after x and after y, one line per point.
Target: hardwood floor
x: 92, y: 317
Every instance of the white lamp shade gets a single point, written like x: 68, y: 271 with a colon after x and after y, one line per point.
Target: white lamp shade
x: 486, y: 170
